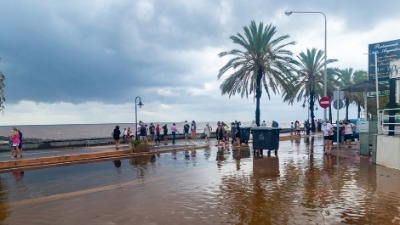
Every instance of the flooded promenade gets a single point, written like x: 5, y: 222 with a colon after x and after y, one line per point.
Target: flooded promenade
x: 208, y: 186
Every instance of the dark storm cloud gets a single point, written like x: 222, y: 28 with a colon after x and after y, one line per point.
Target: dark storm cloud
x: 77, y: 51
x: 53, y: 53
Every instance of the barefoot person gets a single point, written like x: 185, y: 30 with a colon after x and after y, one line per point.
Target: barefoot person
x: 219, y: 133
x: 193, y: 130
x: 237, y: 134
x: 207, y: 132
x: 116, y: 135
x: 327, y: 129
x: 14, y: 137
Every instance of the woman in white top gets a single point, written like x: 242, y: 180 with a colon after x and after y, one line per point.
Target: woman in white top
x: 327, y: 129
x: 348, y: 132
x: 207, y: 132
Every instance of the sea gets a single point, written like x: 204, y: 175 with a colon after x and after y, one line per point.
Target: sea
x: 87, y: 131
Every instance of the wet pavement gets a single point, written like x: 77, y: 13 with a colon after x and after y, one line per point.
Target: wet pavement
x: 213, y: 185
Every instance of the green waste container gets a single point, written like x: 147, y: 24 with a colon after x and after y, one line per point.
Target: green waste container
x: 265, y: 138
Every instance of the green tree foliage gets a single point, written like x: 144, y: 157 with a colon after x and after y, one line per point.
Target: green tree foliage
x: 309, y: 80
x: 262, y: 60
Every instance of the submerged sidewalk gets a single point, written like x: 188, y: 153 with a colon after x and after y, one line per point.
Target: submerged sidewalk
x: 33, y: 159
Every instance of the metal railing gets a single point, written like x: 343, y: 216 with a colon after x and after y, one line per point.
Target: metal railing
x: 384, y: 118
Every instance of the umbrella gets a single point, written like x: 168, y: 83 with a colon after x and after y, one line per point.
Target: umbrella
x: 365, y: 86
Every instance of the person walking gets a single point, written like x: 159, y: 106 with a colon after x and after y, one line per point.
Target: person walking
x: 186, y: 128
x: 207, y: 132
x: 20, y: 142
x: 297, y: 127
x: 116, y: 135
x: 124, y: 135
x: 143, y: 132
x: 237, y: 135
x: 193, y: 130
x: 307, y: 127
x: 130, y: 134
x: 152, y: 133
x: 14, y: 138
x: 165, y: 134
x: 327, y: 129
x: 173, y: 132
x: 348, y: 132
x: 219, y: 133
x: 158, y: 134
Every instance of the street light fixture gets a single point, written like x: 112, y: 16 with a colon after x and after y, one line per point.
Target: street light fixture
x: 140, y: 104
x: 308, y: 107
x: 288, y: 13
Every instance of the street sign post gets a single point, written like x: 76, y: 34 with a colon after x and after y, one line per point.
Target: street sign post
x: 324, y: 102
x: 338, y: 104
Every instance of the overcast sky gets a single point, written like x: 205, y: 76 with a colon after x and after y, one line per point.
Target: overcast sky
x: 69, y: 62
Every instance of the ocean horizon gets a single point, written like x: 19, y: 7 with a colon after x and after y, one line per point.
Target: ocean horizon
x: 79, y: 131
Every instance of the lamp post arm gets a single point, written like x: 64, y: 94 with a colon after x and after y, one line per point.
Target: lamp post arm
x: 288, y: 13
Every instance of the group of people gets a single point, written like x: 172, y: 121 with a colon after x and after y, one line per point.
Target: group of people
x: 223, y: 133
x: 153, y: 134
x: 328, y: 131
x: 15, y: 142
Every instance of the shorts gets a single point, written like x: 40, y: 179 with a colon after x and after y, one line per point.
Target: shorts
x: 348, y: 136
x: 186, y: 134
x: 15, y: 144
x: 330, y: 137
x: 193, y: 132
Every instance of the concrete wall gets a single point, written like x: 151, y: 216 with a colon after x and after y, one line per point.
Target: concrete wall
x: 388, y: 151
x: 46, y: 144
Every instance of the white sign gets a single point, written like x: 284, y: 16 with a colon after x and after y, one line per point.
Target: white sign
x: 338, y: 95
x: 394, y: 69
x: 363, y: 126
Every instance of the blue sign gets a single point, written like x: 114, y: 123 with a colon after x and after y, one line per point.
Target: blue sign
x: 386, y: 51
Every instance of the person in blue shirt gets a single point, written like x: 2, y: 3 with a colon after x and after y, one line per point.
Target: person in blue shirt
x: 275, y: 124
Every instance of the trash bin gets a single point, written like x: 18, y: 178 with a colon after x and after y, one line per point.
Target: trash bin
x: 265, y: 138
x: 244, y: 134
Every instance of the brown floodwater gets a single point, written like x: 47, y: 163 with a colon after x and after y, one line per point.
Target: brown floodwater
x: 207, y: 186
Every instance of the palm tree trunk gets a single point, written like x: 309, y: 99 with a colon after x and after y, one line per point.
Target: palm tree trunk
x: 312, y: 111
x: 258, y: 95
x: 330, y: 113
x: 358, y: 111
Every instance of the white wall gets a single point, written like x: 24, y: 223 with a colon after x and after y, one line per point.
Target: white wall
x: 388, y: 151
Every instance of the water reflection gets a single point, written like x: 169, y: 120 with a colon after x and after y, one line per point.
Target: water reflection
x: 265, y: 167
x: 140, y: 163
x: 117, y: 164
x: 298, y: 187
x: 4, y: 208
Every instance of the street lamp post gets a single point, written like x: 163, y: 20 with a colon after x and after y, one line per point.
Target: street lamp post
x: 140, y: 104
x: 288, y: 13
x: 308, y: 108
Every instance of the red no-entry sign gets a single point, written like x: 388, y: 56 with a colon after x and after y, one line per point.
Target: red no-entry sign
x: 324, y: 102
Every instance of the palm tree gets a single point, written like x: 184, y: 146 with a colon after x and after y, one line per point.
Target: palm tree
x: 309, y: 79
x: 358, y: 77
x: 263, y: 59
x: 348, y: 78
